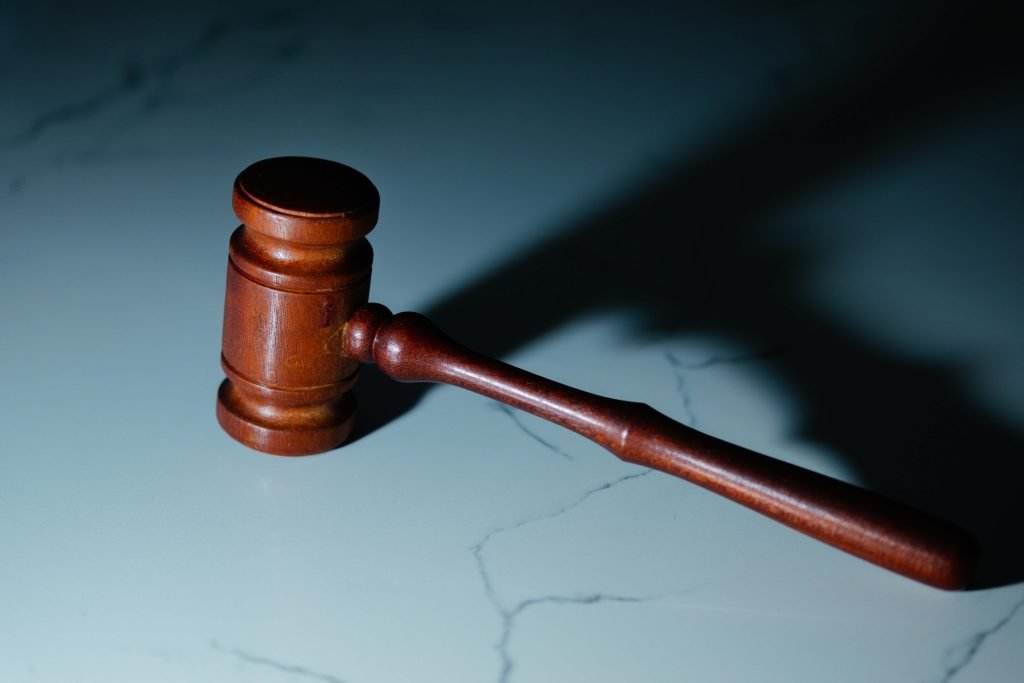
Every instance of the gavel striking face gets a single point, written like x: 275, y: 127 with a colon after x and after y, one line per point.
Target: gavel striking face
x: 297, y: 325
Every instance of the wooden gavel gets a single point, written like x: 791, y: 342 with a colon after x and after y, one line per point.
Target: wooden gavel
x: 297, y: 326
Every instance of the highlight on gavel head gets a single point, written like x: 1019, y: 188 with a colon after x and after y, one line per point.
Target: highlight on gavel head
x: 298, y: 266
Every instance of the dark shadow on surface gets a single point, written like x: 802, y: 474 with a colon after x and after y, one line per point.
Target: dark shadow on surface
x: 686, y: 252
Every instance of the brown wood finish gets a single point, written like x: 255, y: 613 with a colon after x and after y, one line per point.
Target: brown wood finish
x: 297, y: 268
x: 408, y: 348
x: 295, y: 328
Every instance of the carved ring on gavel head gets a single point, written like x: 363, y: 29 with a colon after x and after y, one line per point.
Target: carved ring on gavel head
x: 297, y: 325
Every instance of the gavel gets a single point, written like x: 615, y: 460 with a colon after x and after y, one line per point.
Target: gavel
x: 297, y: 326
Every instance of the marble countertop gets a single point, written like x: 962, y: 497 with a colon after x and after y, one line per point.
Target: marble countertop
x: 795, y: 227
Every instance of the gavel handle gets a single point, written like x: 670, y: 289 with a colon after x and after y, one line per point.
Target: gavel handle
x: 409, y: 348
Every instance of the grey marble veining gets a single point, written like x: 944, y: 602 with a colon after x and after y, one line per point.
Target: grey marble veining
x: 510, y: 613
x: 960, y: 655
x: 794, y: 227
x: 288, y: 669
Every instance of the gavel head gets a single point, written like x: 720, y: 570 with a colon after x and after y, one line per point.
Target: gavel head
x: 298, y: 266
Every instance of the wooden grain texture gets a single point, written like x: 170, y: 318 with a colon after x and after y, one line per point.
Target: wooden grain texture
x: 409, y: 348
x: 297, y: 268
x: 296, y: 328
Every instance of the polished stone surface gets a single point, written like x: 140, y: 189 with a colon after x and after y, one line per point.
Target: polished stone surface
x: 793, y: 227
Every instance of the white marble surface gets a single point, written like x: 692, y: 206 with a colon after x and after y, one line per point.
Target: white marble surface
x: 755, y: 219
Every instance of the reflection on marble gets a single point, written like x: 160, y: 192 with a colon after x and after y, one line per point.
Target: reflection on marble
x: 795, y: 227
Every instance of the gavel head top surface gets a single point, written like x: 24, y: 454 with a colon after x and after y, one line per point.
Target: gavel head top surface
x: 298, y: 266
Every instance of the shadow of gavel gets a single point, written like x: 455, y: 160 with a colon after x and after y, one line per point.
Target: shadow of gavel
x: 297, y: 326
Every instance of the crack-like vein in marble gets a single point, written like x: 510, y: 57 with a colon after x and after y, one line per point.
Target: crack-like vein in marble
x: 728, y: 359
x: 257, y: 660
x: 154, y: 87
x: 508, y: 615
x: 678, y: 369
x: 532, y: 434
x: 560, y: 510
x: 135, y: 77
x: 132, y: 79
x: 962, y: 654
x: 681, y: 367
